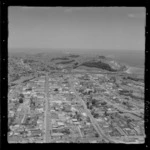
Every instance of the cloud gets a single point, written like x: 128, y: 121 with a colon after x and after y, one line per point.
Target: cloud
x: 27, y: 8
x: 131, y: 15
x: 72, y: 9
x: 69, y: 9
x: 136, y: 15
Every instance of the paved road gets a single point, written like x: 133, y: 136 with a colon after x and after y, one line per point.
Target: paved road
x: 96, y: 126
x: 47, y: 116
x: 116, y: 105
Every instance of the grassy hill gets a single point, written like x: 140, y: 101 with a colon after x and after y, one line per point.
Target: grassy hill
x: 21, y: 64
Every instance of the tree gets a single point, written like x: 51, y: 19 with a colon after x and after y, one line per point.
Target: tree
x: 94, y: 101
x: 66, y: 131
x: 11, y: 120
x: 113, y: 79
x: 20, y: 100
x: 21, y: 95
x: 96, y: 135
x: 29, y: 89
x: 96, y: 115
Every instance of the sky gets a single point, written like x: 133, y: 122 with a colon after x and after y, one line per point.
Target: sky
x: 119, y: 28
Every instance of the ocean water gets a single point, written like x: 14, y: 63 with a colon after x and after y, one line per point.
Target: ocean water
x: 131, y: 58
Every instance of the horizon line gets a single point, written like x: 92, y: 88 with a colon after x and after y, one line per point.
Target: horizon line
x: 74, y: 49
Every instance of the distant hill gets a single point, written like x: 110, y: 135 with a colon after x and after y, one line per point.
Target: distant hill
x: 21, y: 64
x: 25, y: 65
x: 73, y: 56
x: 104, y: 63
x: 98, y: 64
x: 65, y: 62
x: 61, y: 58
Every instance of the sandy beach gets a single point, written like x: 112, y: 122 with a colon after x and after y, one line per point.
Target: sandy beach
x: 135, y: 70
x: 128, y: 70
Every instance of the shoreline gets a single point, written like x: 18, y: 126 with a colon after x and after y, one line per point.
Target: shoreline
x: 128, y: 70
x: 135, y: 70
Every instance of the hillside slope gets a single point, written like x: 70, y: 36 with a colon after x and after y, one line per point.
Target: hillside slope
x: 25, y: 64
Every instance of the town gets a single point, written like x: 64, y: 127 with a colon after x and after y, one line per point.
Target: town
x: 77, y: 107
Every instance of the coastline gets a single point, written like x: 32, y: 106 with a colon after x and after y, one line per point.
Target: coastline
x: 128, y: 70
x: 135, y: 70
